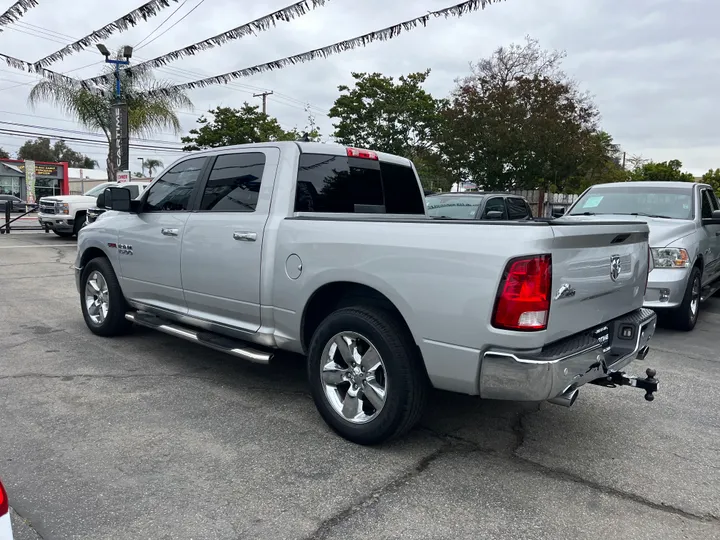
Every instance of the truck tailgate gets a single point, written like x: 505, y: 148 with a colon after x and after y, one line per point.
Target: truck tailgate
x: 599, y: 272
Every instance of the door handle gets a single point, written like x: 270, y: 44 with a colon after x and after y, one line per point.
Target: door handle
x: 169, y: 232
x: 245, y: 236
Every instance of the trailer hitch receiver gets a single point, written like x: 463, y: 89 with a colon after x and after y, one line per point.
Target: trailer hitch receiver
x: 619, y: 378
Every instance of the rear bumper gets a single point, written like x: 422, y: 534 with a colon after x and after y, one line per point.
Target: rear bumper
x: 666, y: 287
x: 566, y: 364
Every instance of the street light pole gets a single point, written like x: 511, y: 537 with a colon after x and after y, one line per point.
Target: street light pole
x: 142, y: 166
x: 119, y: 135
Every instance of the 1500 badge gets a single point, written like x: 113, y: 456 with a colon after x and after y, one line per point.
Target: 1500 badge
x: 123, y: 249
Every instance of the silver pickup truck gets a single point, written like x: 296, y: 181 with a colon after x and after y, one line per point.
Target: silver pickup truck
x: 684, y: 221
x: 327, y: 251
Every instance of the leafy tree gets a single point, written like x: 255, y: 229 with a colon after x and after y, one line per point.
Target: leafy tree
x: 603, y: 164
x: 518, y: 122
x: 151, y: 165
x: 41, y: 150
x: 147, y: 111
x: 667, y: 171
x: 138, y: 175
x: 236, y: 126
x: 712, y: 177
x: 382, y: 114
x: 4, y: 154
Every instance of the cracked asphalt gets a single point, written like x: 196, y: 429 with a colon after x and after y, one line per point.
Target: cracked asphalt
x: 150, y: 437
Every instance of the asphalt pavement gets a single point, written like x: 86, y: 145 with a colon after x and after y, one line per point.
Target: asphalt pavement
x: 150, y: 437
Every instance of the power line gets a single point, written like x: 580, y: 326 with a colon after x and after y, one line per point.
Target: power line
x: 144, y: 12
x: 384, y: 34
x: 52, y: 136
x: 174, y: 24
x: 158, y: 27
x: 17, y: 10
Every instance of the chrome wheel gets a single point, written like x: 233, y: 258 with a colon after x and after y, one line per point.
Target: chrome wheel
x: 97, y: 297
x: 695, y: 298
x: 353, y: 377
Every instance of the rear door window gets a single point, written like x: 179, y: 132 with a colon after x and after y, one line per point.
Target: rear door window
x: 348, y: 185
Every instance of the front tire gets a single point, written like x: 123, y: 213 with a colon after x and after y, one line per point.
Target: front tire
x: 102, y: 301
x: 366, y: 376
x: 685, y: 316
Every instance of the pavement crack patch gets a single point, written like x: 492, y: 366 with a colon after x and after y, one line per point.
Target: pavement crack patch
x: 374, y: 496
x: 71, y: 376
x: 560, y: 474
x: 27, y: 522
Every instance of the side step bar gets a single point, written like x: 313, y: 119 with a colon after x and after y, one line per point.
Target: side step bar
x: 709, y: 290
x: 213, y: 341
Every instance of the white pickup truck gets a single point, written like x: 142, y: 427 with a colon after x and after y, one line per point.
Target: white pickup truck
x: 328, y: 251
x: 65, y: 214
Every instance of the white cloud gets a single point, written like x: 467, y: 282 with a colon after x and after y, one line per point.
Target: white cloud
x: 650, y: 64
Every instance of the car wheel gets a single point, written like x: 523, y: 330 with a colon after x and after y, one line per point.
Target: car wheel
x: 63, y: 234
x: 685, y: 316
x: 366, y: 376
x: 78, y: 225
x: 102, y: 301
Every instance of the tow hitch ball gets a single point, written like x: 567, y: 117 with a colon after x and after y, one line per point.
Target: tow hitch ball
x: 618, y: 378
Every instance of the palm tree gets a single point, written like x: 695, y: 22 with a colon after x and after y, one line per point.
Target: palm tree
x: 152, y: 164
x: 147, y: 111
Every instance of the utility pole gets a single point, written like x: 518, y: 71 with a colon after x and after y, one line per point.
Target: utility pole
x: 142, y: 165
x: 264, y: 96
x: 623, y: 161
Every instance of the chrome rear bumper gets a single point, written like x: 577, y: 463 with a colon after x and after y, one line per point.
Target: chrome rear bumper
x: 564, y: 366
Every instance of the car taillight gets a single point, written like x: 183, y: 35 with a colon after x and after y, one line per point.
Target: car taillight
x: 3, y: 501
x: 523, y: 302
x: 362, y: 153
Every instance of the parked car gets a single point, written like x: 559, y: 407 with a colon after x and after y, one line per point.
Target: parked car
x: 5, y: 525
x: 684, y: 221
x: 16, y: 203
x: 328, y: 251
x: 65, y: 215
x: 135, y: 188
x: 478, y: 205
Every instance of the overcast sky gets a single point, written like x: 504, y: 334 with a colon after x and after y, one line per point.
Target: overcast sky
x: 651, y: 65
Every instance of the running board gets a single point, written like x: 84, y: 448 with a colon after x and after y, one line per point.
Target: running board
x: 709, y: 290
x: 213, y: 341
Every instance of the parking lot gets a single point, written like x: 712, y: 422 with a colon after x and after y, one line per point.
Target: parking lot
x: 150, y: 437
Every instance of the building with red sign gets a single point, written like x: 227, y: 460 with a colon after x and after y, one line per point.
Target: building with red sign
x: 50, y: 179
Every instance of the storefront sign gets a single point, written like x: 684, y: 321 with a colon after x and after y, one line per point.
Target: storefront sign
x: 42, y: 170
x: 30, y: 181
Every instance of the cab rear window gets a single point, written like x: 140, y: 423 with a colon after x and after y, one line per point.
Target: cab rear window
x: 348, y: 185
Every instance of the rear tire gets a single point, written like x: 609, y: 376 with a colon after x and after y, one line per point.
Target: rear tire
x: 79, y: 222
x: 102, y: 301
x: 391, y: 388
x: 685, y: 316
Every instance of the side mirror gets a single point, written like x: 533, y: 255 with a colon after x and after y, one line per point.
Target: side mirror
x: 716, y: 215
x: 117, y: 198
x: 101, y: 200
x: 494, y: 214
x: 558, y: 211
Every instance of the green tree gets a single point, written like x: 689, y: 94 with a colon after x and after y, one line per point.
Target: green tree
x: 666, y: 171
x: 4, y: 154
x: 42, y: 150
x: 518, y: 122
x: 148, y: 111
x: 236, y: 126
x: 712, y: 177
x: 398, y: 117
x: 151, y: 165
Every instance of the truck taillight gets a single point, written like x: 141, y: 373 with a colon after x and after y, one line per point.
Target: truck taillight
x: 649, y: 268
x: 523, y: 302
x: 3, y: 501
x: 362, y: 153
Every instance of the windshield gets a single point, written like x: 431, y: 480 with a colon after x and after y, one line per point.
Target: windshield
x: 97, y: 190
x: 663, y: 202
x: 453, y: 206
